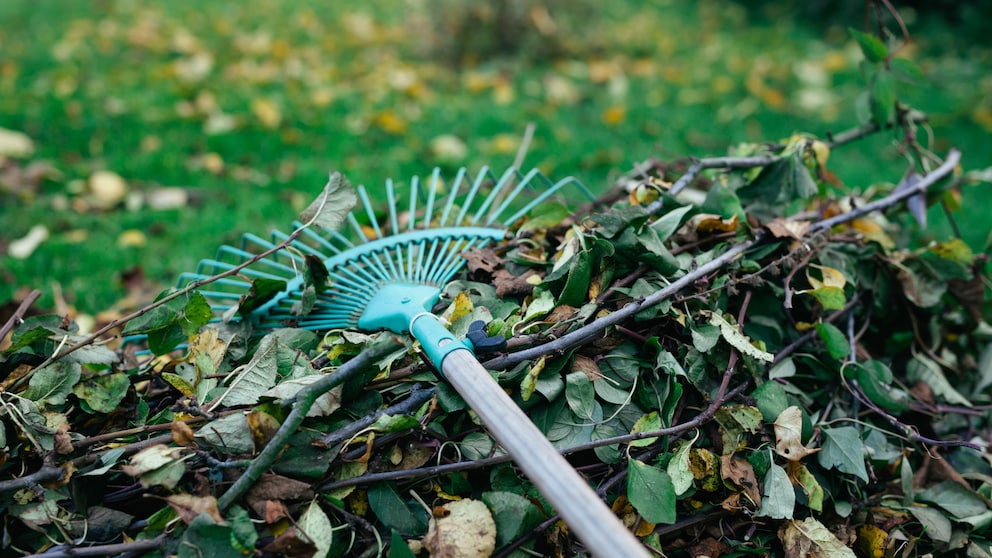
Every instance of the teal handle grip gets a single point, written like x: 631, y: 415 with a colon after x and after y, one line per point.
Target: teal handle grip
x: 435, y: 339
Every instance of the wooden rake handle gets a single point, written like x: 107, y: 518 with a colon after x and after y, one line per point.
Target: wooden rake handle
x: 572, y: 497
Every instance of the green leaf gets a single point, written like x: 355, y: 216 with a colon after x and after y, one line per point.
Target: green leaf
x: 580, y: 394
x: 331, y: 207
x: 883, y: 98
x: 476, y: 445
x: 514, y: 515
x: 650, y: 491
x: 906, y: 70
x: 158, y: 317
x: 316, y: 273
x: 954, y: 499
x: 164, y: 339
x: 206, y: 539
x: 243, y: 534
x: 771, y: 399
x: 834, y: 339
x: 394, y: 423
x: 52, y: 384
x: 811, y: 486
x: 843, y: 450
x: 705, y: 336
x: 923, y: 369
x: 195, y: 314
x: 830, y: 298
x: 936, y: 525
x: 229, y: 433
x: 262, y: 290
x: 778, y: 499
x: 667, y: 224
x: 577, y: 282
x: 394, y: 512
x: 398, y: 547
x: 103, y: 393
x: 875, y: 380
x: 784, y: 181
x: 871, y: 46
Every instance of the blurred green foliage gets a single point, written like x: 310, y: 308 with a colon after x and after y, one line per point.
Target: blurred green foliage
x: 248, y: 106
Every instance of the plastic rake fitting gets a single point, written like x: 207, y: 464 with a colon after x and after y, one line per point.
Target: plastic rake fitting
x: 392, y: 277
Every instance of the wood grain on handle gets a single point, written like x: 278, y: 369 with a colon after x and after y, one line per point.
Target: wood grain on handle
x: 572, y: 497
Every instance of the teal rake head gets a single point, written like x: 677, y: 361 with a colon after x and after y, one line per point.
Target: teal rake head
x: 387, y: 266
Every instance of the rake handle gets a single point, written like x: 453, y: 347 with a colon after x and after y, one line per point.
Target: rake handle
x: 572, y: 497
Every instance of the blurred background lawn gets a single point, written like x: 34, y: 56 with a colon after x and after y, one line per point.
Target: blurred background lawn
x: 162, y: 130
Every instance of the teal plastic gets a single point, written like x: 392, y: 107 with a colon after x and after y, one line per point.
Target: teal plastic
x: 395, y: 305
x: 436, y: 340
x: 405, y: 307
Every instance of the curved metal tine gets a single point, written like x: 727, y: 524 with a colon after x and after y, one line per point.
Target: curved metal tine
x: 298, y: 244
x: 324, y: 238
x: 373, y: 222
x: 431, y: 195
x: 495, y: 194
x: 547, y: 192
x: 452, y: 194
x: 251, y: 271
x: 483, y: 174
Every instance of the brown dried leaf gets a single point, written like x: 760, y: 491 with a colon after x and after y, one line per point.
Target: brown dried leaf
x: 291, y: 545
x: 188, y: 507
x: 515, y: 285
x: 587, y: 366
x: 788, y: 435
x: 63, y: 442
x: 182, y: 434
x: 740, y: 474
x: 787, y: 228
x: 484, y: 259
x: 273, y: 511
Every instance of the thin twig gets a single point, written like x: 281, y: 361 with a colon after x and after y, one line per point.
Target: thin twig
x: 303, y: 401
x: 18, y: 316
x: 103, y: 550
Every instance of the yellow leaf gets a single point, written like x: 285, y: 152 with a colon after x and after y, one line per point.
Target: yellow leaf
x: 390, y: 122
x: 614, y: 115
x: 461, y: 306
x: 266, y: 112
x: 131, y: 238
x: 831, y: 277
x: 872, y: 541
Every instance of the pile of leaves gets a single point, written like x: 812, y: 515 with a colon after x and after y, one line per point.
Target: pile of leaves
x: 739, y: 353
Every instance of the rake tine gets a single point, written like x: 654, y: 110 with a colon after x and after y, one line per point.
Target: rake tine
x: 455, y: 187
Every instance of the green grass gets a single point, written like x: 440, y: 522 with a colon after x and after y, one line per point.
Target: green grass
x: 366, y: 90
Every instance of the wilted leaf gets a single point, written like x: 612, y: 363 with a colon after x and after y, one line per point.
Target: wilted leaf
x: 778, y: 499
x: 252, y: 380
x: 188, y: 507
x: 737, y: 339
x: 923, y: 369
x: 810, y: 539
x: 463, y: 528
x: 788, y: 435
x: 678, y: 468
x: 229, y: 433
x: 331, y: 207
x: 316, y: 527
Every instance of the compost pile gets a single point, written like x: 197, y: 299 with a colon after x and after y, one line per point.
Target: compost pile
x: 741, y: 354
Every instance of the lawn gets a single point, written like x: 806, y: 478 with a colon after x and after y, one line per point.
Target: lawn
x: 242, y: 109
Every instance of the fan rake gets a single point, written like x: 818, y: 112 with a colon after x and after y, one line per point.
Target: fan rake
x: 390, y: 278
